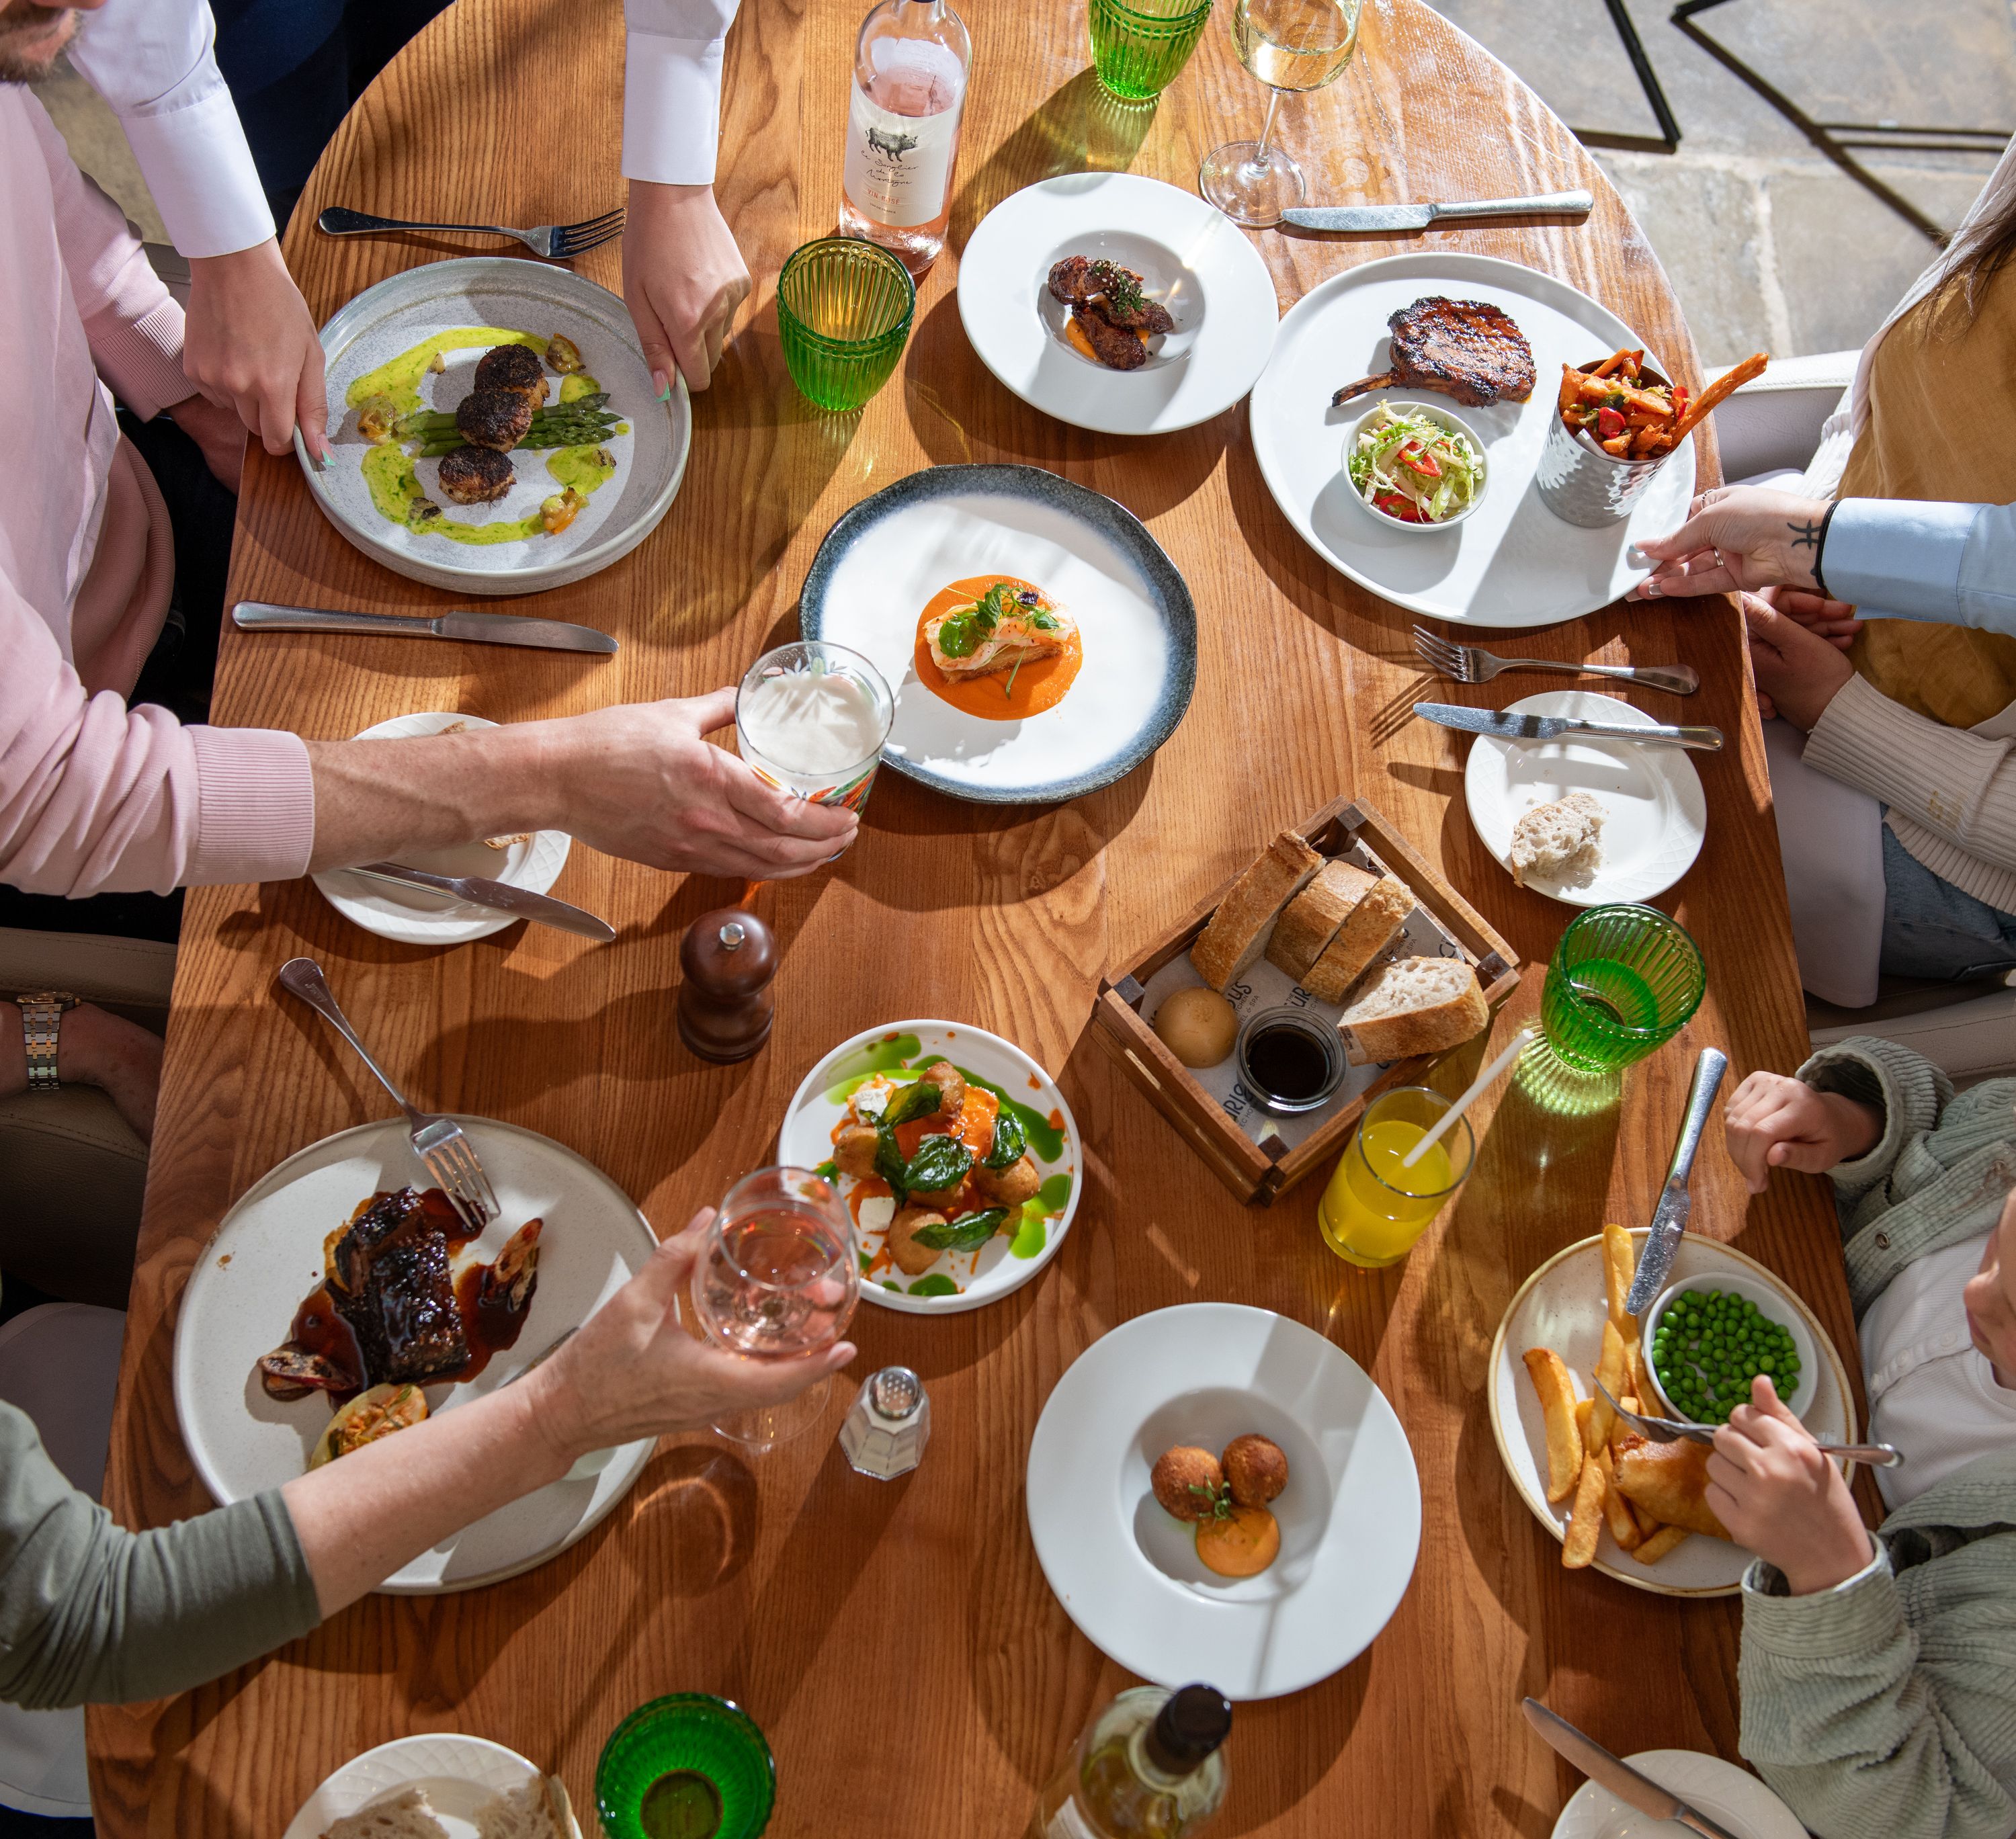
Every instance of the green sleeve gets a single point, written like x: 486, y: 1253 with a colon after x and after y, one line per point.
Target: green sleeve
x: 1882, y: 1710
x: 1927, y: 1130
x: 91, y: 1614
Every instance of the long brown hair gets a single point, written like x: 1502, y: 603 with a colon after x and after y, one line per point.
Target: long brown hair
x: 1985, y: 251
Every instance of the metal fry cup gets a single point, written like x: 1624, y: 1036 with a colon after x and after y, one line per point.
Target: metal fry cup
x: 1580, y: 482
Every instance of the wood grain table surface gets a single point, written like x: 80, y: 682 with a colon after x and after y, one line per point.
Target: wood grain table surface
x: 898, y: 1642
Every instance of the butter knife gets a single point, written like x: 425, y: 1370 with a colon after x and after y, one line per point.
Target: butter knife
x: 1613, y: 1772
x: 483, y: 629
x: 520, y: 903
x: 1418, y: 217
x: 1669, y: 1219
x: 1506, y: 726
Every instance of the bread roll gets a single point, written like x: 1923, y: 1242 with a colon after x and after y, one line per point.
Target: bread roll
x: 408, y: 1815
x: 1239, y: 929
x: 1379, y: 913
x: 1669, y: 1480
x: 1414, y: 1006
x: 1312, y: 919
x: 536, y: 1811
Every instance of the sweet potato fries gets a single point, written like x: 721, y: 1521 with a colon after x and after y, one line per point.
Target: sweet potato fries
x: 1628, y: 412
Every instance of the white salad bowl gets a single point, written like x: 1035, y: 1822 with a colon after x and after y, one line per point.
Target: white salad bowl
x: 1443, y: 418
x: 1766, y: 1298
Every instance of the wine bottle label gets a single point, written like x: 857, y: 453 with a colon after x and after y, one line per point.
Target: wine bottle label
x: 898, y: 166
x: 1067, y: 1822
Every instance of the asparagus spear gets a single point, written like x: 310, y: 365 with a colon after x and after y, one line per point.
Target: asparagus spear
x: 423, y: 421
x: 587, y: 435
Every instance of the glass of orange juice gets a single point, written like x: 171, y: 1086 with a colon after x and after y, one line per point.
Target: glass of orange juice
x: 1374, y: 1209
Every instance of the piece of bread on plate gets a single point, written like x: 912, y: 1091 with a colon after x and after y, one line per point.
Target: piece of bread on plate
x: 1311, y: 919
x: 537, y: 1810
x: 1669, y: 1480
x: 1414, y: 1006
x: 1380, y: 912
x: 1239, y: 930
x: 409, y: 1815
x: 1557, y: 838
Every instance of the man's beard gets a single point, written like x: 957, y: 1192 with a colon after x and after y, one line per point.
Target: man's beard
x: 31, y: 39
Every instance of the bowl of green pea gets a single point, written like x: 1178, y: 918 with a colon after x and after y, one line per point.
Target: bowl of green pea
x: 1707, y: 1338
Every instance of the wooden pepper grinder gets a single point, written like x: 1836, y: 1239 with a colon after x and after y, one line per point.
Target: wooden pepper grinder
x: 725, y: 1004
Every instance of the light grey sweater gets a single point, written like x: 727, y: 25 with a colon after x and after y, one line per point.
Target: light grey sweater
x: 91, y: 1614
x: 1886, y: 1709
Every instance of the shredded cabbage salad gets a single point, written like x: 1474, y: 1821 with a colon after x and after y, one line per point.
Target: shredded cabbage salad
x: 1414, y: 469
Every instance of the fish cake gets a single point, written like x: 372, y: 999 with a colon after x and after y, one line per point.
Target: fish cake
x: 476, y: 475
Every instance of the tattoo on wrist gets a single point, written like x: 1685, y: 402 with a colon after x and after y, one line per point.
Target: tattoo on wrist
x: 1807, y: 535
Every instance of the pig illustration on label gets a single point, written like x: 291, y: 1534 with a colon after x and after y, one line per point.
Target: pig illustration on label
x: 892, y: 147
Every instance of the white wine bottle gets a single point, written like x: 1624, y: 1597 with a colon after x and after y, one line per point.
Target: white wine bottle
x: 910, y: 67
x: 1150, y: 1766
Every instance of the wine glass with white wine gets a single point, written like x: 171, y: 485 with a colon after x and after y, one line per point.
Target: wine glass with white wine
x: 1288, y: 44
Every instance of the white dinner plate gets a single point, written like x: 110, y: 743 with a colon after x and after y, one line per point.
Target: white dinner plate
x: 511, y: 294
x: 1006, y: 1261
x: 1128, y: 1575
x: 1561, y: 1306
x: 461, y: 1775
x: 1655, y: 814
x: 1191, y: 257
x: 412, y: 916
x: 1732, y: 1796
x: 1512, y: 562
x: 266, y: 1256
x: 881, y: 563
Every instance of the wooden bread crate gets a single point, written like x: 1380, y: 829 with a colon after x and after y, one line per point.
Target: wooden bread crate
x: 1259, y: 1172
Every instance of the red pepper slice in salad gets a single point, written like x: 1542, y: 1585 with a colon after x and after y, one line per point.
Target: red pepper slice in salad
x: 1416, y: 458
x: 1397, y: 505
x: 1609, y: 423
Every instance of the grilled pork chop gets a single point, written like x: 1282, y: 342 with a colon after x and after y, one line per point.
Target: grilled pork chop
x: 396, y: 1290
x: 1468, y: 349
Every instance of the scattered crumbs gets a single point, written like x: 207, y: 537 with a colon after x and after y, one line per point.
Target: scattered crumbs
x: 224, y: 1260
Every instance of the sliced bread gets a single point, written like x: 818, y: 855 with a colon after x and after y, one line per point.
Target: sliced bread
x: 1554, y: 839
x: 408, y: 1815
x: 1414, y: 1006
x: 1311, y: 920
x: 1379, y: 913
x: 1239, y: 930
x: 538, y: 1810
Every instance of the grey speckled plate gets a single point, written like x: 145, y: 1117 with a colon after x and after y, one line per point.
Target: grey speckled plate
x: 500, y: 291
x: 884, y: 560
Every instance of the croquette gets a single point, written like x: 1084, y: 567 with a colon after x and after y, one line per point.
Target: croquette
x: 1188, y: 1482
x: 513, y: 367
x: 496, y: 419
x: 1008, y: 1187
x: 1255, y: 1470
x: 854, y: 1149
x: 910, y: 1257
x: 475, y: 475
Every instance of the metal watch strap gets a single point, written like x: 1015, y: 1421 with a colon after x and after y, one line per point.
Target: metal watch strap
x: 41, y: 1030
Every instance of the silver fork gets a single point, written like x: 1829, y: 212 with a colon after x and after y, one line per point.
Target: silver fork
x: 1472, y: 663
x: 448, y: 1155
x: 557, y: 242
x: 1666, y: 1429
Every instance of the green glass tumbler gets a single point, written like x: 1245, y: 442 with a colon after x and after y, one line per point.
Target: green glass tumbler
x: 686, y: 1767
x: 1623, y: 981
x: 844, y: 310
x: 1138, y: 46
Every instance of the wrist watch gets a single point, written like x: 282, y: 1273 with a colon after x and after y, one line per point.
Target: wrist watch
x: 41, y: 1028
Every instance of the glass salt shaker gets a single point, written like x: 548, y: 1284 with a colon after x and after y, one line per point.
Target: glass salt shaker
x: 888, y: 1424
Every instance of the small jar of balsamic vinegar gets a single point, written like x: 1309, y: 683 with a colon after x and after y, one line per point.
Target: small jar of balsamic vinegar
x: 1290, y: 1061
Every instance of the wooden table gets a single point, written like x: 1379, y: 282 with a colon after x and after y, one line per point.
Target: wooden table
x: 898, y: 1642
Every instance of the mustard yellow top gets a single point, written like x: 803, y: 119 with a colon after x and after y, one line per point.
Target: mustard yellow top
x: 1942, y: 397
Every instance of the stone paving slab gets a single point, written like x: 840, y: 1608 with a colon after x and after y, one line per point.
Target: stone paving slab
x: 1770, y: 246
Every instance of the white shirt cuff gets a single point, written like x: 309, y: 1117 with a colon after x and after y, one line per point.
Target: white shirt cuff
x: 200, y: 170
x: 671, y: 109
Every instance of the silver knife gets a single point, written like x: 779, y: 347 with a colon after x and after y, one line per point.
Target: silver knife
x: 1669, y: 1219
x: 1618, y: 1776
x: 461, y: 622
x: 1509, y: 727
x: 521, y: 903
x: 1418, y: 217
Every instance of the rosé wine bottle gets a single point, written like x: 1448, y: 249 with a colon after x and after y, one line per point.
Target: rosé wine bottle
x: 910, y: 69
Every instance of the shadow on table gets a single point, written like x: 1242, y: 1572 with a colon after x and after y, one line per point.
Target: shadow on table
x: 963, y: 415
x: 1080, y: 127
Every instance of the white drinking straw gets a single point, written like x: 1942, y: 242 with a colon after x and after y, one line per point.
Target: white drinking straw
x: 1476, y: 1085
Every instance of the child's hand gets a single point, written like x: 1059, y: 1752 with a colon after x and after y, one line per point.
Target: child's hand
x: 1775, y: 1122
x: 1769, y: 1484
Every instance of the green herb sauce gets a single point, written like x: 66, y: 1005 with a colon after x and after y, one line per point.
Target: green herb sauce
x: 400, y: 377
